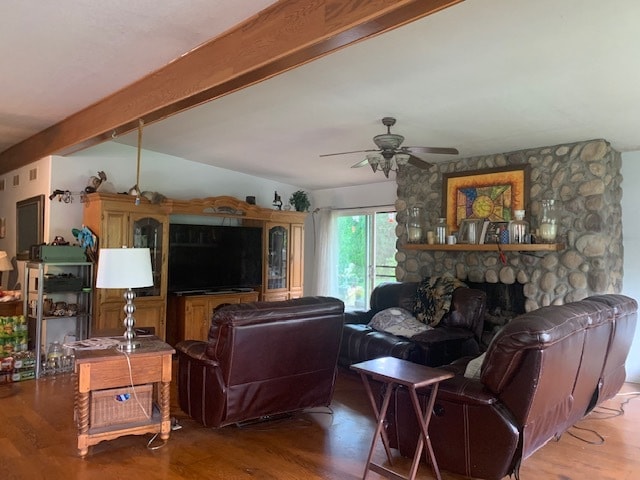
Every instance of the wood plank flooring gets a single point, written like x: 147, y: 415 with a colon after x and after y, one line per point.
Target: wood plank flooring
x: 37, y: 441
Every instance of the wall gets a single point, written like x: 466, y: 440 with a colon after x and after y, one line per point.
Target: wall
x: 171, y: 176
x: 11, y: 194
x: 631, y: 242
x: 585, y: 177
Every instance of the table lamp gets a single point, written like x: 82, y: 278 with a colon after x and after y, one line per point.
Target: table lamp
x: 5, y: 265
x: 125, y: 268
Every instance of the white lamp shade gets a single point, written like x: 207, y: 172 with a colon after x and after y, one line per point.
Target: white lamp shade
x: 124, y: 268
x: 5, y: 263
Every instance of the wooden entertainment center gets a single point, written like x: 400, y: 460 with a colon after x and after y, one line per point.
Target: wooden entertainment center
x: 117, y: 221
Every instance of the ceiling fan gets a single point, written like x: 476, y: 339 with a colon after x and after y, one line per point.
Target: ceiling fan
x: 390, y: 155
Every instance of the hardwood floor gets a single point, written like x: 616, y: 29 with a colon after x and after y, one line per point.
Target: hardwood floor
x: 37, y: 441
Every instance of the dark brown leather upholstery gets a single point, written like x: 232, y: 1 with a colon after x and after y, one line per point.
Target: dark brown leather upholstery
x: 262, y: 358
x: 542, y: 372
x: 457, y: 335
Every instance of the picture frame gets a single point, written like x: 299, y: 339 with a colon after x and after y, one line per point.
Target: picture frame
x: 492, y: 194
x: 471, y: 231
x: 491, y: 232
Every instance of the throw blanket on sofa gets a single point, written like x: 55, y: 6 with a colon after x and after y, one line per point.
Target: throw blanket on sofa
x: 433, y: 298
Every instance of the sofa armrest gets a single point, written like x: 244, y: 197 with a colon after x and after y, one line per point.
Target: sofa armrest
x: 196, y: 350
x: 467, y: 391
x: 358, y: 316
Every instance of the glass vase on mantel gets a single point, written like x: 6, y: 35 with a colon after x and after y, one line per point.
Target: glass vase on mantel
x: 548, y: 221
x: 415, y: 225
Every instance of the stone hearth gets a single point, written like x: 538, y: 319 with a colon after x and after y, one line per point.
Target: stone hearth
x: 585, y: 177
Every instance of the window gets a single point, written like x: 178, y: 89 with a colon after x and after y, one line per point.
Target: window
x: 365, y: 245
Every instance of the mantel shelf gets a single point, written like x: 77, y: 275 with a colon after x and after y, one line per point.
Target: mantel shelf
x: 506, y: 247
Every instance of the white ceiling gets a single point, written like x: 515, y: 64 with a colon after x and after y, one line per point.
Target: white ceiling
x: 484, y: 76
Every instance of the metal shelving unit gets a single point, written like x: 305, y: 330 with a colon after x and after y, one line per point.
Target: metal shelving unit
x: 41, y: 283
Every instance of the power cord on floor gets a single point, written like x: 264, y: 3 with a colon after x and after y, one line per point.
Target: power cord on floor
x: 606, y: 415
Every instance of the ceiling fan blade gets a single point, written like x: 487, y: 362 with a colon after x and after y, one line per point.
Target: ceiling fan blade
x: 361, y: 164
x: 418, y: 162
x: 441, y: 150
x: 345, y: 153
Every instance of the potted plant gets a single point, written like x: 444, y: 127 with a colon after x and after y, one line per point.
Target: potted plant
x: 300, y: 201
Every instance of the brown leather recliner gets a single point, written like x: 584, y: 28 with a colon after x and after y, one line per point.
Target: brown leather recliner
x: 542, y: 372
x: 262, y: 359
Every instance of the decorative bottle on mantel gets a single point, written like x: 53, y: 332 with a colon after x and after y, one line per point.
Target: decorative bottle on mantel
x: 548, y: 221
x: 415, y: 227
x: 519, y: 228
x: 441, y: 231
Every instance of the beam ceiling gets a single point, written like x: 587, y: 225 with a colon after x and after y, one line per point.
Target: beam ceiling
x: 287, y: 34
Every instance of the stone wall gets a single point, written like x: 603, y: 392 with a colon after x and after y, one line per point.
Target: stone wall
x: 584, y: 177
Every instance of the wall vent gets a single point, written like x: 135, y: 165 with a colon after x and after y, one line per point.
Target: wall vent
x: 16, y: 180
x: 33, y: 174
x: 1, y: 185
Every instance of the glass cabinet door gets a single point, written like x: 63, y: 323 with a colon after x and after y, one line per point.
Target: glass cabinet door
x: 277, y: 268
x: 148, y: 232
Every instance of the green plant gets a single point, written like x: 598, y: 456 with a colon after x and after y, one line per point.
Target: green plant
x: 300, y: 201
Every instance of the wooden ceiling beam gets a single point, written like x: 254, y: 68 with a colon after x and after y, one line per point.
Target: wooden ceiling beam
x: 287, y: 34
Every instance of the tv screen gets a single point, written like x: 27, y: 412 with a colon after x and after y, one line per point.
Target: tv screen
x: 206, y: 258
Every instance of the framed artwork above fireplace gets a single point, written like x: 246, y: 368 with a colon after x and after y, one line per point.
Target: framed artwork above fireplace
x: 492, y: 193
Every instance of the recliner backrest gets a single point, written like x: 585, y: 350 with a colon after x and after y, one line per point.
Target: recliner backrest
x: 533, y: 363
x: 625, y: 312
x: 276, y: 356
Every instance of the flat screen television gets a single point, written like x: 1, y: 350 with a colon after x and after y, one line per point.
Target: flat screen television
x: 209, y: 258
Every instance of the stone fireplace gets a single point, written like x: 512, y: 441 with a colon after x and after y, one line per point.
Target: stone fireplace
x: 584, y: 177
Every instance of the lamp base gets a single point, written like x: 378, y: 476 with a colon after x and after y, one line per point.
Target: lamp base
x: 128, y: 346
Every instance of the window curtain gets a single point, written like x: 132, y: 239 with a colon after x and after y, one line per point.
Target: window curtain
x: 324, y: 254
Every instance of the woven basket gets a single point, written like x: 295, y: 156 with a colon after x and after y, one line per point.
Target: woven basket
x: 115, y: 406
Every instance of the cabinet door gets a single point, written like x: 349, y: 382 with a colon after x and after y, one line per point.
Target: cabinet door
x: 275, y: 297
x: 296, y: 247
x: 151, y: 232
x: 195, y: 325
x: 277, y: 261
x: 115, y: 234
x: 199, y: 309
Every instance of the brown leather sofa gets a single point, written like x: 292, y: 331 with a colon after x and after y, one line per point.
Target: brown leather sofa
x: 457, y: 335
x: 262, y: 359
x: 542, y: 372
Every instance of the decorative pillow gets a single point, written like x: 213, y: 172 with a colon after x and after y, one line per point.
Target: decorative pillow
x: 397, y: 321
x: 474, y: 367
x: 433, y: 298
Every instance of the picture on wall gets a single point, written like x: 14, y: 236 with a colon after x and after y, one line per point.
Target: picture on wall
x: 492, y: 194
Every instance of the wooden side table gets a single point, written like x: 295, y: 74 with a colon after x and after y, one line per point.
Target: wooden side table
x: 394, y: 372
x: 109, y: 369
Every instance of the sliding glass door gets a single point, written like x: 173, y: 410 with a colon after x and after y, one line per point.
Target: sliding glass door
x: 365, y: 242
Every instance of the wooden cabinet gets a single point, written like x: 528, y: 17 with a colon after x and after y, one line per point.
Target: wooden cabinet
x: 117, y: 221
x: 192, y: 313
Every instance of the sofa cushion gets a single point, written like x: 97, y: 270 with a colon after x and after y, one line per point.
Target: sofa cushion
x: 397, y: 321
x: 433, y: 298
x: 474, y: 367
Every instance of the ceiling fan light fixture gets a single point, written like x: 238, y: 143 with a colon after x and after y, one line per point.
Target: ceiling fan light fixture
x: 374, y: 160
x: 402, y: 159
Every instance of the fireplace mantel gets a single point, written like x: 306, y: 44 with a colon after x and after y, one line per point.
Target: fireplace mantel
x: 505, y: 247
